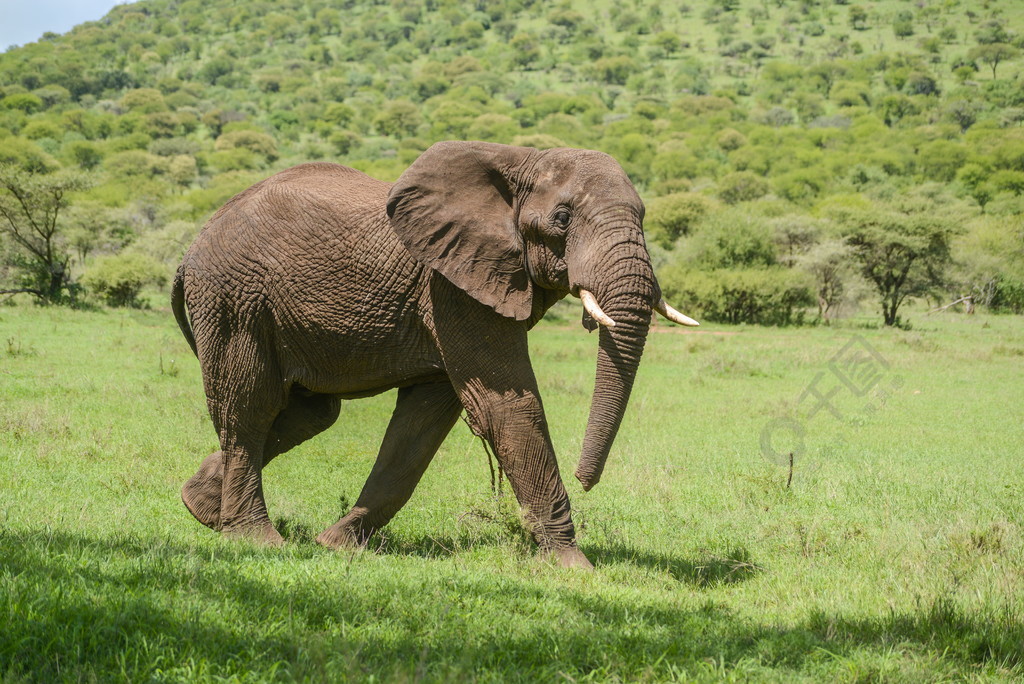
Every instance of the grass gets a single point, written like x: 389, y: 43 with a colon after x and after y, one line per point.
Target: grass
x: 895, y: 554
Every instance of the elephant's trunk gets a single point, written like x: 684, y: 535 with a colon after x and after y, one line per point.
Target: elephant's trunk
x: 625, y: 295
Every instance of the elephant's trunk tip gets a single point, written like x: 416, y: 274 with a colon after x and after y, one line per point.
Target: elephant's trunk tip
x: 588, y: 481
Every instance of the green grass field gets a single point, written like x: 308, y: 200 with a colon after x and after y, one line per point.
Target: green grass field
x: 896, y: 553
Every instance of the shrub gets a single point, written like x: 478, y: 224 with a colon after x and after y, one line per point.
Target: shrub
x: 493, y: 128
x: 135, y: 163
x: 1009, y: 180
x: 674, y: 215
x: 741, y: 186
x: 921, y: 84
x: 614, y: 70
x: 541, y: 141
x: 338, y: 114
x: 526, y: 49
x: 399, y: 118
x: 344, y: 141
x: 800, y: 185
x: 1008, y: 296
x: 731, y: 239
x: 730, y: 139
x: 674, y: 160
x: 765, y: 296
x: 25, y: 102
x: 120, y: 278
x: 238, y: 159
x: 254, y: 141
x: 85, y: 154
x: 940, y: 159
x: 775, y: 117
x: 39, y: 129
x: 144, y: 100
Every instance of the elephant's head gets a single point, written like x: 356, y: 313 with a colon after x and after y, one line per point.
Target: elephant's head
x: 506, y: 224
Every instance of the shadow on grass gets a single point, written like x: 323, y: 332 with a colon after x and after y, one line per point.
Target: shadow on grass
x: 77, y: 607
x: 711, y: 570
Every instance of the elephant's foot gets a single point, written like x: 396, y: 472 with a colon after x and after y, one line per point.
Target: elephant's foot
x: 345, y: 534
x: 567, y: 557
x: 261, y: 533
x: 201, y: 494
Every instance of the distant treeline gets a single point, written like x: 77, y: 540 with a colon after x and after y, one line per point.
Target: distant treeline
x: 799, y: 158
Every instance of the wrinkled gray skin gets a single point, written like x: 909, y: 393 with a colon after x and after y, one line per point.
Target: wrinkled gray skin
x: 321, y: 284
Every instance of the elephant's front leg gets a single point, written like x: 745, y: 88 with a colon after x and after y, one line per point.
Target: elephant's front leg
x: 423, y: 417
x: 515, y: 425
x: 488, y: 361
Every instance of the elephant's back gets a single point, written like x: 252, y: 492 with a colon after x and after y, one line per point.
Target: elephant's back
x: 313, y: 211
x: 317, y: 195
x: 311, y: 252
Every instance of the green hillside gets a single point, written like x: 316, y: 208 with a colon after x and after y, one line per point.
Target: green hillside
x: 768, y: 138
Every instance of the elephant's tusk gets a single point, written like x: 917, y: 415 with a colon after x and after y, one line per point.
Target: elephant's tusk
x: 592, y: 307
x: 671, y: 314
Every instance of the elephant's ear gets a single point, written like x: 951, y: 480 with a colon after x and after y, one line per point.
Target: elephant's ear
x: 454, y: 210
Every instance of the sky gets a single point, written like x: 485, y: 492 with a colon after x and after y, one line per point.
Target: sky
x: 25, y: 21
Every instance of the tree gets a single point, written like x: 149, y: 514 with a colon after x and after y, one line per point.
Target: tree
x: 895, y: 107
x: 903, y: 25
x: 858, y: 18
x: 992, y: 31
x: 668, y: 41
x: 828, y: 263
x: 992, y: 54
x: 30, y: 208
x: 741, y: 186
x: 255, y: 141
x: 674, y: 215
x: 119, y: 279
x: 614, y: 70
x: 399, y: 118
x: 904, y: 251
x: 964, y: 113
x: 526, y: 50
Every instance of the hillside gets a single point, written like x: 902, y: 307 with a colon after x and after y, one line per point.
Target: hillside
x: 797, y: 121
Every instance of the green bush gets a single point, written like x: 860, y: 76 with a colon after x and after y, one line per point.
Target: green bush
x: 1008, y: 296
x: 730, y: 139
x: 134, y: 164
x: 39, y: 129
x: 254, y: 141
x: 614, y: 70
x: 765, y: 296
x: 144, y: 100
x: 741, y: 186
x: 26, y: 155
x: 674, y: 215
x: 85, y: 154
x: 120, y: 278
x: 731, y: 239
x: 25, y: 102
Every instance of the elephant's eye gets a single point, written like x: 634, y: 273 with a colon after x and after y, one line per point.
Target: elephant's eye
x: 561, y: 218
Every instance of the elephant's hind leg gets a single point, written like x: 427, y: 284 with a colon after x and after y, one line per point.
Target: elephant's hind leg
x: 305, y: 417
x: 423, y: 417
x: 245, y: 394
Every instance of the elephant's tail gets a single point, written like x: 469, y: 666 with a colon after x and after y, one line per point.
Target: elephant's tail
x: 178, y: 307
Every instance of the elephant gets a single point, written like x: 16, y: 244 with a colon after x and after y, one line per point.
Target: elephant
x: 321, y: 284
